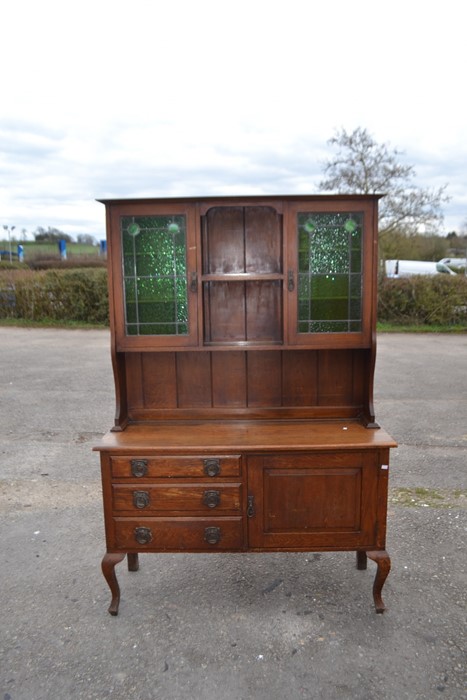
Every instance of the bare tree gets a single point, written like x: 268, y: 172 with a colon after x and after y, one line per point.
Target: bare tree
x: 362, y: 166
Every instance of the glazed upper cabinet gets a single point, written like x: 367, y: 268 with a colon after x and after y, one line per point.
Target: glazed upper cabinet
x: 330, y: 279
x: 154, y: 274
x: 245, y: 273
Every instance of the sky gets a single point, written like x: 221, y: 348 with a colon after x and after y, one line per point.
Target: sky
x: 155, y: 98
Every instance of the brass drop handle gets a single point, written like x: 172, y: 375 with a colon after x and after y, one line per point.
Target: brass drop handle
x: 139, y: 467
x: 212, y: 467
x: 143, y: 535
x: 141, y: 499
x: 211, y: 499
x: 291, y: 281
x: 212, y: 535
x: 193, y: 283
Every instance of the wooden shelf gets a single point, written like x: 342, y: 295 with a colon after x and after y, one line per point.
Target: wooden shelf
x: 243, y: 277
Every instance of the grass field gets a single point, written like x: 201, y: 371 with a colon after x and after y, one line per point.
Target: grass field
x: 34, y: 250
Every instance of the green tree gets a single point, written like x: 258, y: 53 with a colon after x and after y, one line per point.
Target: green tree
x: 86, y: 239
x: 51, y: 235
x: 363, y: 166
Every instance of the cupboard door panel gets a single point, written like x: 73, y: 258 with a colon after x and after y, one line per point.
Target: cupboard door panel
x: 313, y: 501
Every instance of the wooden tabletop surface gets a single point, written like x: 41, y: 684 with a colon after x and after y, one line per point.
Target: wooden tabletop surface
x: 212, y: 436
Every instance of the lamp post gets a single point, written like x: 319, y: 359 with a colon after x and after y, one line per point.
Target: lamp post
x: 9, y: 229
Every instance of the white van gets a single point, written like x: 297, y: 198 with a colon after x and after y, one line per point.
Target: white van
x: 407, y: 268
x: 455, y: 263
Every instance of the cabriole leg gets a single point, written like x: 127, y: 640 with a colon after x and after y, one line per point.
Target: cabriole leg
x: 383, y: 563
x: 109, y: 563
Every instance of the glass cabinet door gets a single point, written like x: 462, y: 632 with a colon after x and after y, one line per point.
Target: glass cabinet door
x: 328, y: 267
x: 158, y: 274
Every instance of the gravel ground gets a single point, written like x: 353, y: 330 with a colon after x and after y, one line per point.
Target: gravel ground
x: 233, y: 626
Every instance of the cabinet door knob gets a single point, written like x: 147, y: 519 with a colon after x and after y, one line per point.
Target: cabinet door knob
x: 212, y: 535
x: 143, y: 535
x: 139, y: 467
x: 211, y: 499
x: 212, y: 467
x: 140, y: 499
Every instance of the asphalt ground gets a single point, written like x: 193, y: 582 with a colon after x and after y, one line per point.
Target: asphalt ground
x: 227, y: 626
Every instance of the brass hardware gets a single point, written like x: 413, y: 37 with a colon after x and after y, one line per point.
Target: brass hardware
x: 291, y: 281
x: 250, y: 511
x: 212, y: 467
x: 139, y: 467
x: 212, y: 535
x: 211, y: 499
x: 140, y: 499
x: 143, y: 535
x: 194, y: 283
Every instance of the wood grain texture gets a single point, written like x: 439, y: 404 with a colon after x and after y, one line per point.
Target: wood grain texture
x: 218, y: 436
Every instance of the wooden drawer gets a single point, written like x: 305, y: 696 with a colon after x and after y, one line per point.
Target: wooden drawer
x: 163, y: 497
x: 178, y: 467
x: 178, y: 534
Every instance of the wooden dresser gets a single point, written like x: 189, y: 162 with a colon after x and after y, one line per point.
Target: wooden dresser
x: 243, y: 349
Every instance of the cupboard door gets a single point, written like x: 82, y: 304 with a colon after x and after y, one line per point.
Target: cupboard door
x: 330, y: 277
x: 322, y: 500
x: 156, y: 276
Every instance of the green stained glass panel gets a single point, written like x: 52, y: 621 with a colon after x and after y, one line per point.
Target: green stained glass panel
x: 154, y: 268
x: 329, y: 272
x: 131, y: 313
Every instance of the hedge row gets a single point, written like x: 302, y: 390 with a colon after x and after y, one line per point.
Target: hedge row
x: 424, y: 300
x: 81, y: 295
x: 68, y: 295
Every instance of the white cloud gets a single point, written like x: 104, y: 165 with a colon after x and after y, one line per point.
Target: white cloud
x: 151, y: 98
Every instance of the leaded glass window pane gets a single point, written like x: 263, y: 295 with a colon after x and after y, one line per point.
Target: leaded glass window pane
x: 329, y: 272
x: 154, y: 275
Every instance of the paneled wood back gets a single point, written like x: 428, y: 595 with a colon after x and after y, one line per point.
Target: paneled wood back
x: 301, y: 383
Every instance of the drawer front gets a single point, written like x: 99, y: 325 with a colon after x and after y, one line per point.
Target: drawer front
x: 177, y: 467
x: 179, y: 534
x: 163, y: 498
